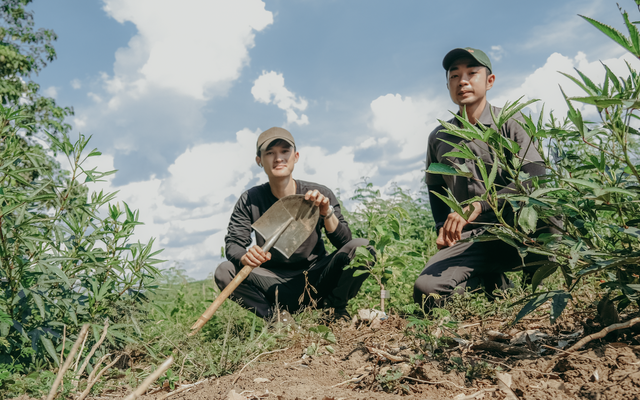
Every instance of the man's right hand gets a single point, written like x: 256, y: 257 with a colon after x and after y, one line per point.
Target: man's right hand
x: 442, y: 241
x: 255, y: 257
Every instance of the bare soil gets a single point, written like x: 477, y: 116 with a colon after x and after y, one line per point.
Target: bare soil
x: 379, y: 361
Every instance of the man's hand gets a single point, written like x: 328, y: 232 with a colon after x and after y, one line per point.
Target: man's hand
x: 255, y: 257
x: 319, y: 200
x: 451, y: 232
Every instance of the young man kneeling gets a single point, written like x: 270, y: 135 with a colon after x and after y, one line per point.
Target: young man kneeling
x: 275, y: 280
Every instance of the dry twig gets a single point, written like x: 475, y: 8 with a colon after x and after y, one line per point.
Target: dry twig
x: 500, y: 348
x: 92, y: 382
x: 93, y: 350
x: 184, y: 388
x: 382, y: 353
x: 150, y: 379
x: 433, y: 383
x: 258, y: 356
x: 352, y: 380
x: 603, y: 333
x: 67, y: 363
x: 75, y: 367
x: 475, y: 395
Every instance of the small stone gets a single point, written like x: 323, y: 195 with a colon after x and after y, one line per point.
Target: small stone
x: 261, y: 380
x: 558, y: 385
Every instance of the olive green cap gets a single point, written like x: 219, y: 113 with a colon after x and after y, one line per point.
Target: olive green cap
x: 476, y: 54
x: 271, y: 134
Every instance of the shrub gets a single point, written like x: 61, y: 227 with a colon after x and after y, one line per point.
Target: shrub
x: 64, y: 259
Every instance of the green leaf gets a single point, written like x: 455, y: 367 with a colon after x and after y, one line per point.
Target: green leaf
x: 534, y: 304
x: 443, y: 169
x: 528, y: 219
x: 542, y: 273
x: 614, y: 34
x: 583, y: 182
x: 38, y: 300
x: 558, y: 304
x: 48, y: 345
x: 450, y: 201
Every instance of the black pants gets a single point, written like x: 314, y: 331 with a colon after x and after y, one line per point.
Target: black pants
x: 469, y: 266
x: 334, y: 285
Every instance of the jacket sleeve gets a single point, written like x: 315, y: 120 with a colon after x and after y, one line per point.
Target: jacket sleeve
x: 342, y: 235
x: 238, y: 236
x: 439, y: 208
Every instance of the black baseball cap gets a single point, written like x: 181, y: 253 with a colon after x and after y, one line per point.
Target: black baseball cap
x: 476, y: 54
x: 271, y: 134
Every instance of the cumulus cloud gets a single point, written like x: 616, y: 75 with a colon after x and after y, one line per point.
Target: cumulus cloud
x: 196, y: 49
x: 545, y: 82
x: 51, y: 91
x: 269, y: 89
x: 406, y: 122
x: 496, y: 53
x: 76, y: 84
x: 149, y: 109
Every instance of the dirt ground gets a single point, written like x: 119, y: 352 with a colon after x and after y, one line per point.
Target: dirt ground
x: 486, y: 361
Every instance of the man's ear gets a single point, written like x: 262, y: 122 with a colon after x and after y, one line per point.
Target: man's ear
x: 490, y: 81
x: 259, y: 161
x: 297, y: 157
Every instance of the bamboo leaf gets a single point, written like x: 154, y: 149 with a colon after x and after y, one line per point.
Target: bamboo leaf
x: 614, y: 34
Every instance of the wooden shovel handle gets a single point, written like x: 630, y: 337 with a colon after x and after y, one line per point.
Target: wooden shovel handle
x: 206, y: 316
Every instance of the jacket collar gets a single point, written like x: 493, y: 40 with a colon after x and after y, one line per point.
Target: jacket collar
x: 485, y: 118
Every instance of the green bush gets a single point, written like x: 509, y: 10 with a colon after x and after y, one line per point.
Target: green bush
x: 65, y: 259
x: 592, y: 183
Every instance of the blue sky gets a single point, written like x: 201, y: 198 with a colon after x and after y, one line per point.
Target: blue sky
x: 175, y: 93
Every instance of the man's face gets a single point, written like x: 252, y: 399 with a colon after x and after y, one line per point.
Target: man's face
x: 279, y: 160
x: 468, y: 81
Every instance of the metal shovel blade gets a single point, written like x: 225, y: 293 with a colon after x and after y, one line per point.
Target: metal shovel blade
x: 305, y: 217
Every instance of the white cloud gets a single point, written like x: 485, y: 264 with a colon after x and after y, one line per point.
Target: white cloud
x: 544, y: 82
x: 96, y: 98
x: 51, y: 91
x: 407, y: 122
x: 269, y: 89
x: 196, y: 48
x: 497, y: 52
x: 76, y: 84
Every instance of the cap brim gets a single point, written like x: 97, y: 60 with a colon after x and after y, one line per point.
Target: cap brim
x: 266, y: 144
x: 454, y: 55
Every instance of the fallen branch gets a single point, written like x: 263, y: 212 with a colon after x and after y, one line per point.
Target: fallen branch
x: 502, y: 348
x: 258, y: 356
x: 433, y: 383
x: 184, y: 388
x: 67, y: 363
x: 92, y: 382
x: 352, y: 380
x: 93, y: 350
x: 587, y: 339
x: 603, y: 333
x: 150, y: 379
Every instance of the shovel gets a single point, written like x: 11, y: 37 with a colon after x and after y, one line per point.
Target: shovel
x: 285, y: 226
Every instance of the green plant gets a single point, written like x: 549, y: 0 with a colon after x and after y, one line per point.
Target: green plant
x: 592, y: 183
x: 431, y: 332
x: 64, y: 260
x: 401, y: 230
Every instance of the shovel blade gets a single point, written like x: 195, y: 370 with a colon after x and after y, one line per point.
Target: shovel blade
x: 305, y: 217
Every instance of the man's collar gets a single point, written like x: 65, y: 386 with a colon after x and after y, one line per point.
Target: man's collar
x: 485, y: 118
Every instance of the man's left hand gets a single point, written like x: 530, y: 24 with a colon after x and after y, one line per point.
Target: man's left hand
x: 319, y: 200
x: 452, y: 229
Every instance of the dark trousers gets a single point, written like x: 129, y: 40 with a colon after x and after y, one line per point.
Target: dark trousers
x: 334, y: 285
x: 468, y: 265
